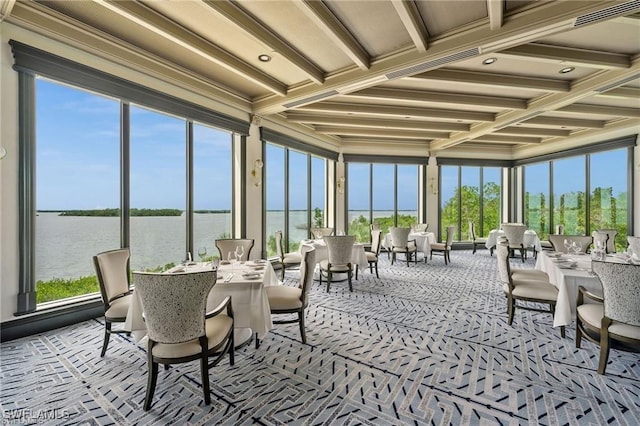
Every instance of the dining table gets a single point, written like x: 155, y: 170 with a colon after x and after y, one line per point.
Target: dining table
x: 245, y: 282
x: 531, y: 239
x: 423, y: 241
x: 567, y: 273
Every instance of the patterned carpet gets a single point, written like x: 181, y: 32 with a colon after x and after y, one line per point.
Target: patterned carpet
x: 425, y: 344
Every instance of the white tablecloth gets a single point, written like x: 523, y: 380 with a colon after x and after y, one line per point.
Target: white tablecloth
x: 249, y: 300
x: 530, y: 239
x: 567, y: 281
x: 423, y: 241
x: 358, y: 256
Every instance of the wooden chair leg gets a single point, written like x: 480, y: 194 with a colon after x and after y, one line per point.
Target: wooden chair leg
x: 302, y: 330
x: 604, y: 345
x: 510, y: 309
x: 328, y: 280
x: 107, y: 335
x: 349, y: 276
x: 204, y: 373
x: 152, y: 377
x: 377, y: 276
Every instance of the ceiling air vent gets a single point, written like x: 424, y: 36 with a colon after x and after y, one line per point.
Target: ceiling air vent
x: 610, y: 12
x: 434, y: 63
x: 311, y: 99
x: 617, y: 83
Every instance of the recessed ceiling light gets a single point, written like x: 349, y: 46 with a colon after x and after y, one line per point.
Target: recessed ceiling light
x: 566, y: 70
x: 264, y: 58
x: 489, y: 61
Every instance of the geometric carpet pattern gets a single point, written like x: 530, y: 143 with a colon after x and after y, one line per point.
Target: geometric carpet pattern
x: 426, y: 344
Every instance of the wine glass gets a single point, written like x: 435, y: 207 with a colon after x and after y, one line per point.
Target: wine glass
x: 239, y: 253
x: 576, y: 246
x: 202, y: 253
x: 567, y: 245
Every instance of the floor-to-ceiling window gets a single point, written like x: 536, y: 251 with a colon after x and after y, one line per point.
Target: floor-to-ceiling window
x: 385, y: 194
x: 555, y: 191
x: 212, y: 189
x: 95, y: 155
x: 569, y: 206
x: 469, y: 194
x: 608, y: 207
x: 295, y: 193
x: 77, y: 187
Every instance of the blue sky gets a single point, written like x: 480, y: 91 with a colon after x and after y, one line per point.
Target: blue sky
x: 78, y: 163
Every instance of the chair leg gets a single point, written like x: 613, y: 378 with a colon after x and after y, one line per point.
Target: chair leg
x: 371, y: 267
x: 510, y: 309
x: 406, y: 257
x: 578, y: 332
x: 257, y: 341
x: 302, y: 331
x: 393, y: 257
x: 474, y: 248
x: 283, y: 272
x: 604, y: 345
x: 377, y: 276
x: 152, y: 377
x: 491, y: 251
x: 232, y: 348
x: 357, y: 272
x: 522, y: 254
x: 204, y: 372
x: 562, y: 332
x: 328, y: 280
x: 107, y: 334
x: 349, y: 274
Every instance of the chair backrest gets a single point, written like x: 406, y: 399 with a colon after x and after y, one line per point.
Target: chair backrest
x: 230, y: 244
x: 174, y: 304
x: 557, y: 241
x: 559, y: 229
x: 504, y: 269
x: 634, y: 245
x: 376, y: 239
x: 112, y: 270
x: 374, y: 226
x: 340, y: 249
x: 472, y: 230
x: 399, y: 236
x: 279, y: 249
x: 600, y: 239
x: 451, y: 230
x: 514, y: 233
x: 307, y: 267
x: 611, y: 241
x: 620, y: 290
x: 319, y: 233
x: 419, y: 227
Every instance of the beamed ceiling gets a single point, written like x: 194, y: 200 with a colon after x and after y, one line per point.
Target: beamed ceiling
x: 392, y: 72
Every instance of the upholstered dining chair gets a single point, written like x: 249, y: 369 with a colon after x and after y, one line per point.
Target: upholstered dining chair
x: 400, y: 243
x: 600, y: 239
x: 339, y: 254
x: 320, y: 233
x: 611, y: 241
x: 444, y: 248
x: 634, y: 246
x: 419, y: 227
x: 284, y: 299
x: 372, y: 256
x: 515, y: 235
x: 524, y: 289
x: 112, y: 271
x: 615, y: 322
x: 475, y: 241
x: 229, y: 245
x: 178, y: 326
x: 557, y: 241
x: 287, y: 260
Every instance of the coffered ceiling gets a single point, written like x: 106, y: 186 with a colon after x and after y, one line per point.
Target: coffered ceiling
x: 383, y: 72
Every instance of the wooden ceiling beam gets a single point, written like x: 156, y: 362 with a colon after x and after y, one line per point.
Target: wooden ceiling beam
x: 570, y: 56
x: 392, y: 110
x: 602, y: 110
x: 622, y: 93
x: 494, y: 80
x: 532, y: 131
x: 234, y: 14
x: 326, y: 21
x: 389, y: 133
x: 439, y: 97
x: 506, y: 139
x: 152, y: 21
x: 566, y: 122
x: 379, y: 123
x: 412, y: 21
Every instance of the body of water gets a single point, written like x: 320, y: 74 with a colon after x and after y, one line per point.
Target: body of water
x: 65, y: 244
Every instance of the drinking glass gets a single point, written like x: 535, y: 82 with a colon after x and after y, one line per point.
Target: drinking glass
x: 239, y: 253
x: 567, y: 245
x: 576, y: 247
x: 202, y: 253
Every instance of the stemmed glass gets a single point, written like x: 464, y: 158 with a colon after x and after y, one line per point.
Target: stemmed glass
x: 239, y: 253
x: 576, y: 247
x: 202, y: 253
x: 567, y: 245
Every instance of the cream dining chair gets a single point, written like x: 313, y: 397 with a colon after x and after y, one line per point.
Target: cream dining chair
x: 339, y: 254
x: 444, y: 248
x: 229, y: 245
x: 400, y: 243
x: 287, y: 260
x: 112, y: 271
x: 178, y: 326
